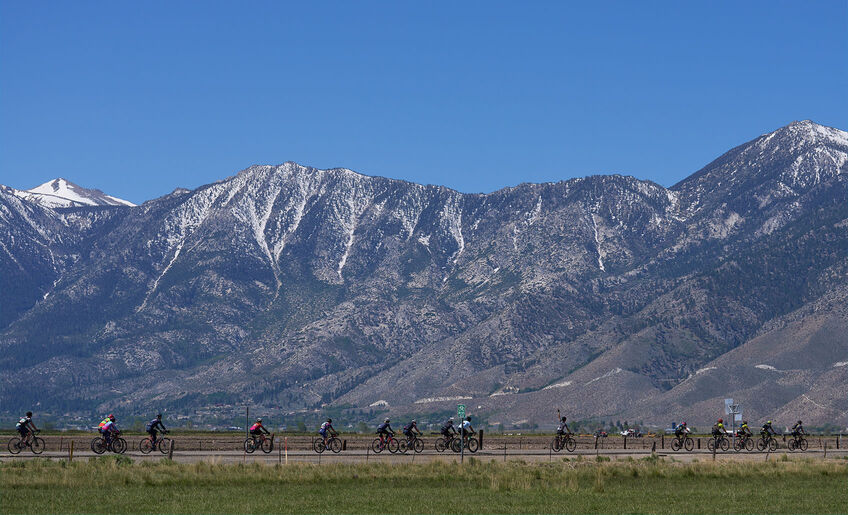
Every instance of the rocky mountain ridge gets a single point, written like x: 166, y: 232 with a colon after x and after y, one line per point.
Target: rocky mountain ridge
x: 295, y: 287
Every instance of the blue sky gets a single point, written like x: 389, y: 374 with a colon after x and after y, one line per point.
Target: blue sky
x: 137, y: 98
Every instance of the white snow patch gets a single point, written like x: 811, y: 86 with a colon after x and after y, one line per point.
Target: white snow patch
x: 601, y: 253
x: 765, y: 367
x: 441, y: 399
x: 381, y: 402
x: 611, y: 373
x: 424, y: 240
x: 841, y: 364
x: 705, y: 369
x: 562, y: 384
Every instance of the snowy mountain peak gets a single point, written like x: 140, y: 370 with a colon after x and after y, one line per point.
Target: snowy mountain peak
x: 809, y: 132
x: 60, y: 192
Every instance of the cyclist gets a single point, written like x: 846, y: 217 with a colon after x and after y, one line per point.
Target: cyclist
x: 767, y: 430
x: 744, y: 430
x: 385, y: 430
x: 105, y: 421
x: 563, y: 429
x: 257, y: 429
x: 798, y: 429
x: 153, y: 426
x: 25, y: 426
x: 718, y: 428
x: 410, y: 431
x: 109, y: 429
x: 681, y: 430
x: 466, y: 427
x: 448, y: 429
x: 327, y: 427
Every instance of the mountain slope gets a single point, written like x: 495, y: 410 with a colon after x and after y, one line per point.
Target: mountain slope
x: 292, y: 286
x: 60, y: 193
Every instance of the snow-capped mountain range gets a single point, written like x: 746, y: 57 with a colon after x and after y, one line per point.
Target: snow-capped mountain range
x: 296, y: 287
x: 60, y: 193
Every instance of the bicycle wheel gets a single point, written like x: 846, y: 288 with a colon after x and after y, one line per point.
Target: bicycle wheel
x: 404, y: 446
x: 145, y: 446
x: 98, y: 445
x: 164, y: 445
x: 711, y: 444
x: 249, y: 445
x: 119, y: 445
x: 267, y: 445
x: 393, y: 445
x: 377, y: 446
x: 772, y: 444
x: 37, y: 446
x: 335, y: 445
x: 791, y: 444
x: 570, y: 444
x: 418, y: 446
x: 556, y: 445
x: 749, y: 444
x: 675, y: 444
x: 473, y: 444
x: 318, y: 446
x: 689, y: 443
x: 802, y: 444
x: 761, y: 445
x: 456, y: 445
x: 724, y: 443
x: 14, y: 445
x: 441, y: 445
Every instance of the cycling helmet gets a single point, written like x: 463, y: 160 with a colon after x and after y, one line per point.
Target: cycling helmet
x: 386, y: 421
x: 563, y: 419
x: 413, y: 421
x: 769, y: 422
x: 259, y: 419
x: 329, y: 420
x: 683, y: 424
x: 29, y: 413
x: 158, y: 415
x: 720, y: 421
x: 799, y: 422
x: 112, y: 418
x: 468, y: 418
x: 744, y: 421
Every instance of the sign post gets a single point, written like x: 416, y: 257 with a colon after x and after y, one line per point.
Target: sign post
x: 460, y: 413
x: 735, y: 412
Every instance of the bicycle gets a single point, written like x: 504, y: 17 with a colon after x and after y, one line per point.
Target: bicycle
x: 35, y: 443
x: 767, y: 442
x: 797, y: 443
x: 564, y: 441
x: 444, y: 442
x: 333, y: 443
x: 389, y: 442
x: 682, y: 442
x: 470, y: 443
x: 743, y: 442
x: 147, y: 445
x: 416, y: 444
x: 252, y: 442
x: 718, y: 442
x: 117, y: 445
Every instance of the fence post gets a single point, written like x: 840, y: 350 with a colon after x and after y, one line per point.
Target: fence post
x: 825, y: 450
x: 480, y: 440
x: 60, y: 443
x: 504, y: 451
x: 287, y: 450
x: 699, y: 443
x: 519, y: 444
x: 71, y: 452
x: 171, y: 451
x: 653, y: 448
x: 367, y: 452
x: 837, y: 441
x: 344, y: 444
x: 662, y: 441
x: 625, y: 443
x: 596, y: 442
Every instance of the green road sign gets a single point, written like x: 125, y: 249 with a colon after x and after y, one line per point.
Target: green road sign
x: 460, y: 410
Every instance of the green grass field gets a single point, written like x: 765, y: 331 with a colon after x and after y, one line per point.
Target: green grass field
x: 117, y: 485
